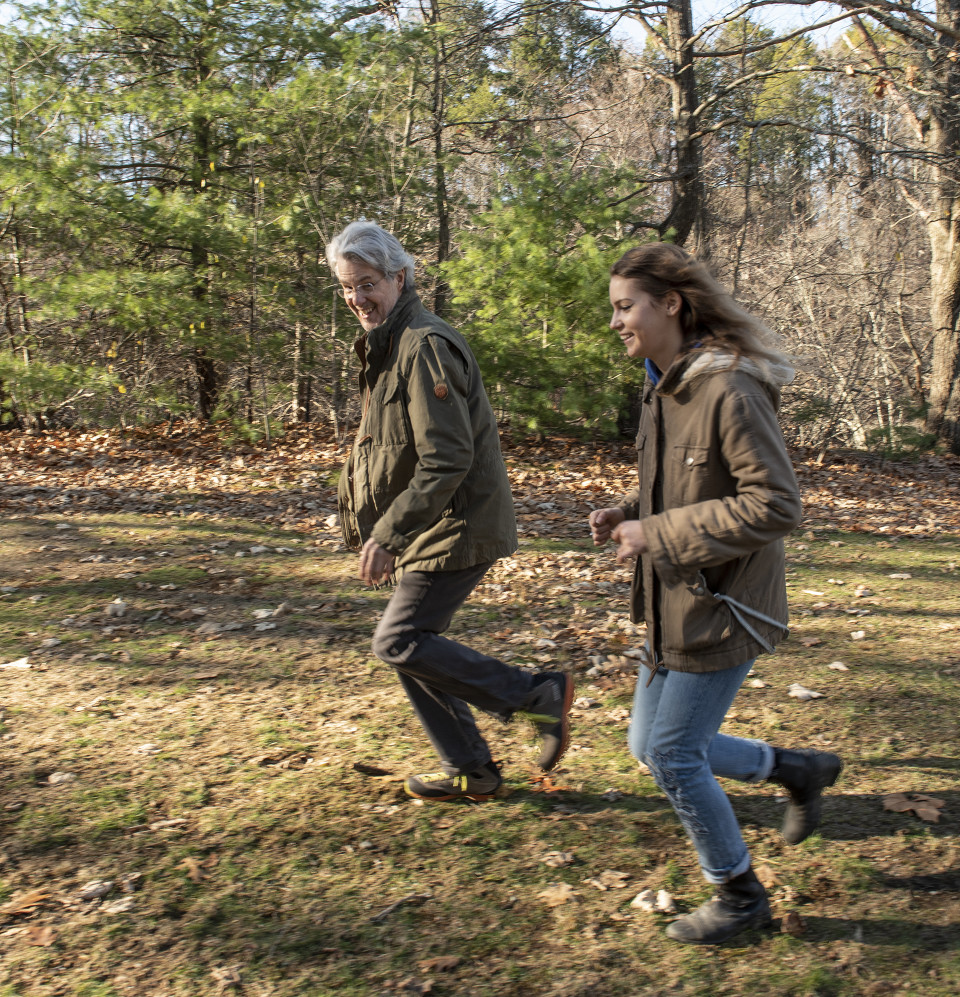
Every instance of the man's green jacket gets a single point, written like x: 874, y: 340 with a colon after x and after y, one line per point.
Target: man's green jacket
x: 425, y: 478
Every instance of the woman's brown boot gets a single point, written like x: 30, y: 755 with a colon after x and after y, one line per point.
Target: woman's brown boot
x: 739, y: 904
x: 804, y: 774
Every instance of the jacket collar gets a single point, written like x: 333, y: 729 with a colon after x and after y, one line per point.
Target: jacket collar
x: 699, y: 363
x: 377, y: 344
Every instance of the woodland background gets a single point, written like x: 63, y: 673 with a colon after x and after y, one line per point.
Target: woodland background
x: 171, y: 172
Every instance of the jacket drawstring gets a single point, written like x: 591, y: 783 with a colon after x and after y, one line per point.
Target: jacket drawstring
x: 740, y: 612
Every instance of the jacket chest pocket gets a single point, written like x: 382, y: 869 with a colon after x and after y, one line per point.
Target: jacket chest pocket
x: 690, y: 458
x: 689, y: 473
x: 387, y: 422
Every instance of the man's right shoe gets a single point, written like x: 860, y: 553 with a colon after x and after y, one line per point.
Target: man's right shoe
x: 548, y: 709
x: 439, y: 786
x: 804, y: 774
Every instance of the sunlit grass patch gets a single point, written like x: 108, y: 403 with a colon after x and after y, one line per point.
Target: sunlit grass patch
x: 221, y: 767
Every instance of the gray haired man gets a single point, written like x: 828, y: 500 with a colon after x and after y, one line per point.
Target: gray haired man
x: 425, y: 497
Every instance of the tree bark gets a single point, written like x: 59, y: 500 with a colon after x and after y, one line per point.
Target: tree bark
x: 943, y: 415
x: 441, y: 290
x: 686, y: 212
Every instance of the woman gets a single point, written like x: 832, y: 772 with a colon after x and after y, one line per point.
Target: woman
x: 716, y: 495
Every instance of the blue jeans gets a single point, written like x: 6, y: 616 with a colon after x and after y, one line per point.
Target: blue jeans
x: 673, y: 730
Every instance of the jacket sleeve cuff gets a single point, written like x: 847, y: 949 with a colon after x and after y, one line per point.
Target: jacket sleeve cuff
x: 391, y: 541
x: 630, y: 504
x: 666, y: 560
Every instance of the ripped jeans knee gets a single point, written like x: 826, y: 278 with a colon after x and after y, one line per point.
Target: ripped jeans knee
x: 676, y: 778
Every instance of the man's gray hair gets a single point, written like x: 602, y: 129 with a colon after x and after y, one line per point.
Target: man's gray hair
x: 366, y: 242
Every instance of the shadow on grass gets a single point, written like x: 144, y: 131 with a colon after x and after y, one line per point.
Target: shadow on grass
x: 947, y: 881
x: 853, y: 816
x: 846, y: 816
x: 884, y: 931
x: 937, y: 762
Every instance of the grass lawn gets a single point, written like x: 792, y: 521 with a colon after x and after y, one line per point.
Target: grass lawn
x: 202, y: 770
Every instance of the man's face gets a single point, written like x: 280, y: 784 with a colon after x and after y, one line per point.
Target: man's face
x: 369, y: 293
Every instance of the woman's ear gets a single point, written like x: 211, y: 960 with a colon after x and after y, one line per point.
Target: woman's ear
x: 672, y: 302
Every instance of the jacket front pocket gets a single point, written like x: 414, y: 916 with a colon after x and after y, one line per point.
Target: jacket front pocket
x: 694, y: 622
x: 691, y: 458
x: 688, y: 478
x: 391, y: 423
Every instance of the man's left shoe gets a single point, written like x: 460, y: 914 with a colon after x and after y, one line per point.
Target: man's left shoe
x: 439, y: 786
x: 548, y: 709
x: 739, y: 904
x: 804, y: 774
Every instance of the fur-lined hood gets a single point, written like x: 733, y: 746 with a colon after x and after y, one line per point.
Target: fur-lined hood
x: 710, y: 360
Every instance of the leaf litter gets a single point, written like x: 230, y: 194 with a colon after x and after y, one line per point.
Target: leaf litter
x: 573, y: 618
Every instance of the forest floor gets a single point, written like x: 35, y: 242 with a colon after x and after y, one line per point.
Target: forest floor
x: 202, y: 764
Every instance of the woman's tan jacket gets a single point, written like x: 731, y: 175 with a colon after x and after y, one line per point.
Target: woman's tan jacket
x: 717, y: 493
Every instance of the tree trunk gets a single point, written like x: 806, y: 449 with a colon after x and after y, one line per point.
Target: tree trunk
x: 302, y: 380
x: 441, y: 290
x: 943, y: 417
x: 686, y: 212
x: 943, y: 138
x: 208, y: 387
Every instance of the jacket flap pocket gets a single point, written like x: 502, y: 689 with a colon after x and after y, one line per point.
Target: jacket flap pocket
x: 391, y: 387
x: 691, y: 456
x: 641, y: 440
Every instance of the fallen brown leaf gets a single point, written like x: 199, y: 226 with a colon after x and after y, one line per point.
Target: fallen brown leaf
x: 192, y: 868
x: 544, y: 784
x: 557, y: 860
x: 412, y: 985
x: 792, y: 924
x: 440, y: 963
x: 226, y: 976
x: 40, y: 934
x: 556, y: 896
x: 364, y: 769
x: 767, y: 876
x: 26, y: 904
x: 609, y: 879
x: 925, y: 807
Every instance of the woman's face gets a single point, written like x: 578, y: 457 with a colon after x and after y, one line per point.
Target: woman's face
x: 368, y: 292
x: 649, y: 328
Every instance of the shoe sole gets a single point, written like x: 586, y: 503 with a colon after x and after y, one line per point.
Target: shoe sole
x: 564, y: 723
x: 476, y: 797
x: 762, y: 922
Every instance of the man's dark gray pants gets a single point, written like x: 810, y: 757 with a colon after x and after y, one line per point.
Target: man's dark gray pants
x: 440, y: 676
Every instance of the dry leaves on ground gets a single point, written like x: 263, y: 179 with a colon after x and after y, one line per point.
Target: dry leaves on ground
x: 556, y: 896
x: 919, y: 804
x: 609, y: 879
x: 792, y: 924
x: 439, y: 963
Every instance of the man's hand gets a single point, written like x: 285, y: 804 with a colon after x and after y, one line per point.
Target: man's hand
x: 629, y: 538
x: 376, y: 564
x: 603, y: 522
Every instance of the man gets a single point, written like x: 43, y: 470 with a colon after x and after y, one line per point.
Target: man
x: 425, y: 496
